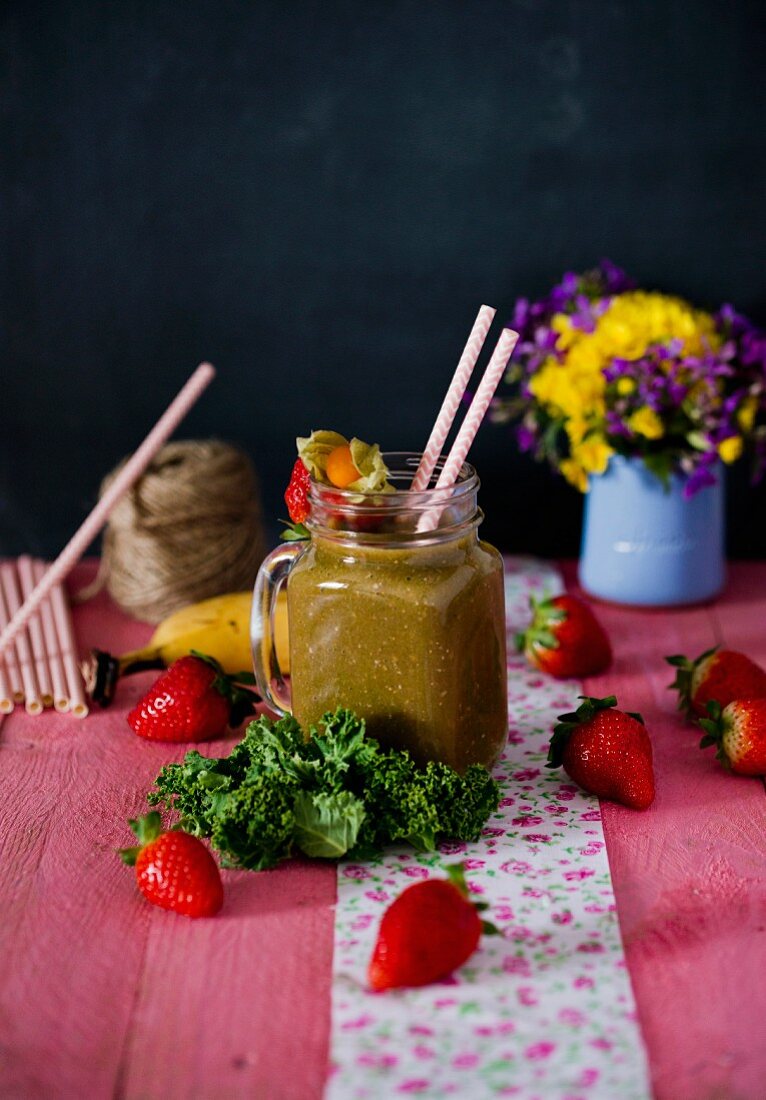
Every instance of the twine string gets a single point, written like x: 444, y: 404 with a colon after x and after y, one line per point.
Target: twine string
x: 190, y: 528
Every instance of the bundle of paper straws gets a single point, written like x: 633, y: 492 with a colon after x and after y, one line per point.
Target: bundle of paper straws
x: 38, y: 657
x: 39, y: 669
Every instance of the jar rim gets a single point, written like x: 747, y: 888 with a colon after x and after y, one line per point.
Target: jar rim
x: 400, y: 517
x: 402, y: 466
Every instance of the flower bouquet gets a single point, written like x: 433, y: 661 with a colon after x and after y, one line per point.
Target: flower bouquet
x: 611, y: 383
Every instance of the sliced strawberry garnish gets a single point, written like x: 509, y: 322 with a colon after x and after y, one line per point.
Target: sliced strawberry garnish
x: 297, y: 493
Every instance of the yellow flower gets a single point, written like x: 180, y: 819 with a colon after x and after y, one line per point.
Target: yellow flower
x: 632, y: 323
x: 576, y: 427
x: 568, y: 393
x: 646, y: 422
x: 561, y: 324
x: 574, y: 474
x: 593, y: 455
x: 746, y: 414
x: 730, y: 449
x: 570, y: 385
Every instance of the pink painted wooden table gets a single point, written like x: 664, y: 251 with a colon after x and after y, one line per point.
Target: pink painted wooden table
x: 102, y: 995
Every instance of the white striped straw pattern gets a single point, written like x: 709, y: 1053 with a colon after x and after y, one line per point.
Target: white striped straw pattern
x: 32, y: 702
x: 6, y: 688
x: 473, y: 418
x: 25, y: 570
x: 68, y: 649
x: 6, y: 695
x: 452, y: 398
x: 55, y: 663
x: 9, y: 657
x: 40, y: 667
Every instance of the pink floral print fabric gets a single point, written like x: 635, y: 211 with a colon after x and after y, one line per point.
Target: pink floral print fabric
x: 544, y: 1011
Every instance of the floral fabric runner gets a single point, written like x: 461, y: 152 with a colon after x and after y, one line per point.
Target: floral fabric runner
x: 543, y: 1012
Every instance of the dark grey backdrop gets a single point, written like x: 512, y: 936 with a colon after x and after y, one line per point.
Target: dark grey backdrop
x: 317, y: 195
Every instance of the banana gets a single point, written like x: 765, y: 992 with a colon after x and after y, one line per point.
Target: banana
x: 218, y: 627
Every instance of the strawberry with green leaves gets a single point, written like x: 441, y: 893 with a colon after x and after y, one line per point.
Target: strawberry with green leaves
x: 739, y: 732
x: 173, y: 869
x: 719, y: 675
x: 606, y: 751
x: 565, y: 639
x: 426, y: 933
x: 193, y: 700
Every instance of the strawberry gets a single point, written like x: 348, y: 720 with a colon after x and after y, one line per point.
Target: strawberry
x: 739, y: 731
x: 297, y: 493
x: 722, y: 675
x: 565, y: 638
x: 174, y: 870
x: 426, y: 933
x: 192, y: 701
x: 605, y: 751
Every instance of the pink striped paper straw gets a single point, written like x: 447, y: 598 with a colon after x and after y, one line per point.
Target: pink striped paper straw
x: 68, y: 649
x: 452, y: 398
x: 35, y: 631
x: 8, y: 659
x: 128, y: 475
x: 6, y: 696
x: 494, y: 372
x: 58, y: 675
x: 7, y: 683
x: 32, y: 702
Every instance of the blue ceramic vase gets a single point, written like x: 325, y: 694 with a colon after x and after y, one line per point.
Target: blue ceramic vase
x: 647, y: 545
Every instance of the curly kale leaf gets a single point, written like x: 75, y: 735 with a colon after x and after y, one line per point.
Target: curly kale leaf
x: 327, y: 825
x: 424, y: 805
x: 323, y: 761
x: 397, y: 808
x: 192, y: 789
x: 253, y: 826
x: 336, y: 792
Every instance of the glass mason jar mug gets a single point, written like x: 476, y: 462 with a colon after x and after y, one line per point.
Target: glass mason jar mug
x: 397, y: 618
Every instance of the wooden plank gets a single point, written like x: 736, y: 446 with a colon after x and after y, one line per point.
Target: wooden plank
x: 73, y: 932
x: 245, y: 996
x: 102, y: 995
x: 73, y: 953
x: 688, y: 873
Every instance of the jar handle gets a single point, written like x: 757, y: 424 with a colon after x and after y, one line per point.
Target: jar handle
x: 268, y: 675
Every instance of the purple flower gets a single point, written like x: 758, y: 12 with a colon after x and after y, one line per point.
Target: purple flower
x: 620, y: 368
x: 700, y: 478
x: 520, y: 318
x: 561, y: 296
x: 698, y: 398
x: 616, y: 426
x: 616, y: 281
x: 527, y: 438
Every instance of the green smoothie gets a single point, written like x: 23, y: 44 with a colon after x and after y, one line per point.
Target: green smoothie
x: 412, y: 638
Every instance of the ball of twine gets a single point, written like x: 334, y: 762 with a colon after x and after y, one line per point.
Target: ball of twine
x: 190, y: 528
